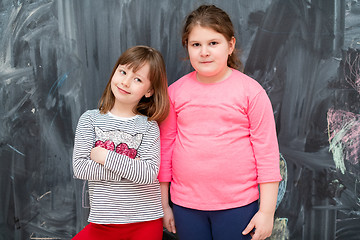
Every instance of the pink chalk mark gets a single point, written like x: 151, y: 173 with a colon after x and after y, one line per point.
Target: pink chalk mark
x: 352, y: 70
x: 344, y: 129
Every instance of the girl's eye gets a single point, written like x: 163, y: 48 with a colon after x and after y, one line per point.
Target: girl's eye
x: 213, y: 43
x: 137, y: 80
x: 122, y: 72
x: 196, y: 44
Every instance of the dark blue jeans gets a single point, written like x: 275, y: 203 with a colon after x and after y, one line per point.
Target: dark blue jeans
x: 227, y: 224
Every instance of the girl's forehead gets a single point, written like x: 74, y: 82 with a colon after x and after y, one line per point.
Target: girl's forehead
x: 203, y: 33
x: 133, y: 66
x: 142, y: 69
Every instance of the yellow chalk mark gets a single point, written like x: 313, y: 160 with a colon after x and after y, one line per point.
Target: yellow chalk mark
x: 43, y: 195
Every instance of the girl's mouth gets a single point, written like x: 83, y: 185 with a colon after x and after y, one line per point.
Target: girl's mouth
x: 123, y: 91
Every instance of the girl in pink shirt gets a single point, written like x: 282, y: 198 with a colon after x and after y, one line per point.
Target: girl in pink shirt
x: 218, y: 144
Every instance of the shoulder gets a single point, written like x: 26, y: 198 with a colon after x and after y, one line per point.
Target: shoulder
x: 143, y: 122
x: 89, y: 114
x: 245, y: 78
x: 87, y: 120
x: 183, y: 82
x: 94, y: 117
x: 249, y: 85
x: 183, y: 85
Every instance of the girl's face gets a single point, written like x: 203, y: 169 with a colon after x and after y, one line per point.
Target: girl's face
x: 208, y: 53
x: 129, y: 87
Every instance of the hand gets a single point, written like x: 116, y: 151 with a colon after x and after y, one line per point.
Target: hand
x: 168, y: 220
x: 262, y: 223
x: 98, y: 154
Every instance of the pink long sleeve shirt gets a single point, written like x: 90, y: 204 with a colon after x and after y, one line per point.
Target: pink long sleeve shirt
x: 218, y: 142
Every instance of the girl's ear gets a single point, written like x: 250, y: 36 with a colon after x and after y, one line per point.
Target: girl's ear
x: 149, y: 93
x: 232, y: 43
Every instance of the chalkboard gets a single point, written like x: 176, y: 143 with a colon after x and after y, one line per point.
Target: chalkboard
x: 56, y: 57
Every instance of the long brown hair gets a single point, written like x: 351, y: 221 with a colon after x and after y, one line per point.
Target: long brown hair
x: 155, y: 107
x: 210, y: 16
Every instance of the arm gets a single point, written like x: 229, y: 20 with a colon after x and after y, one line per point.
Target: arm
x: 264, y: 139
x: 168, y: 131
x: 142, y: 170
x: 83, y: 167
x: 168, y: 220
x: 263, y: 220
x: 266, y: 151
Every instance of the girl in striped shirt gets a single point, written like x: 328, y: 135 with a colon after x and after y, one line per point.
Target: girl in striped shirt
x: 117, y: 149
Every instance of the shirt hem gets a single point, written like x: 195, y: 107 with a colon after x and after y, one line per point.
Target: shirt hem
x: 125, y: 222
x: 213, y: 207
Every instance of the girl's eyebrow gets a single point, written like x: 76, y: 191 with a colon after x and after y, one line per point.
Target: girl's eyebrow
x: 124, y: 68
x: 210, y: 40
x: 138, y: 75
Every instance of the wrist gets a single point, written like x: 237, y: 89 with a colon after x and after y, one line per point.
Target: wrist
x: 267, y: 213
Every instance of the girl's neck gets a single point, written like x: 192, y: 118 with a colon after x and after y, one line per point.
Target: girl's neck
x: 122, y: 112
x: 216, y: 78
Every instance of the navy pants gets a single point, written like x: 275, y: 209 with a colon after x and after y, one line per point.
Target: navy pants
x: 227, y: 224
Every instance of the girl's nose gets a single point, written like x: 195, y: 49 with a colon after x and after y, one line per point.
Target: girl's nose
x: 204, y: 51
x: 126, y: 81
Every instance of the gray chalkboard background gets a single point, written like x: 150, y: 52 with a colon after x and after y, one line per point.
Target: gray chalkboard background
x: 56, y: 57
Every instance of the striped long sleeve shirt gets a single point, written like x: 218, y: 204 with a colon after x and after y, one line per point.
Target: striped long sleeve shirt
x: 125, y: 189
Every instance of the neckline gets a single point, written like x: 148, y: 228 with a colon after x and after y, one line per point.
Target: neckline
x: 213, y: 83
x: 122, y: 118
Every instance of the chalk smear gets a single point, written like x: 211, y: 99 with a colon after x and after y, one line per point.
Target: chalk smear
x: 344, y: 137
x: 280, y: 230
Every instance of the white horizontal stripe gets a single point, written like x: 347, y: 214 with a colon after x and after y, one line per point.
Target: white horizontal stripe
x: 124, y: 190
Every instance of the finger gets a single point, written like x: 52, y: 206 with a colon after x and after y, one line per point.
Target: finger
x: 168, y: 227
x: 166, y: 224
x: 256, y: 236
x: 248, y: 228
x: 172, y: 226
